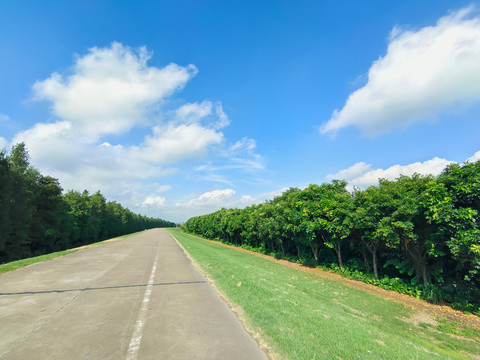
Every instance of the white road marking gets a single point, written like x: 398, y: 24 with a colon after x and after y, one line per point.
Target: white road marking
x: 132, y: 352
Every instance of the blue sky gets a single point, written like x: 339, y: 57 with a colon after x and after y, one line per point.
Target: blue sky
x: 179, y: 108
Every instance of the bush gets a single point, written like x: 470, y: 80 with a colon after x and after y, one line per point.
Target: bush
x: 433, y: 294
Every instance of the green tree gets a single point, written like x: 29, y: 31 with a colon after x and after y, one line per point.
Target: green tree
x: 6, y: 198
x: 17, y: 241
x: 453, y: 204
x: 316, y: 205
x: 50, y: 226
x: 373, y: 220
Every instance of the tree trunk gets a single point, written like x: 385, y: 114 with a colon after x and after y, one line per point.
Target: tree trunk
x: 373, y: 251
x: 338, y: 250
x: 424, y: 274
x: 315, y: 253
x: 298, y: 250
x: 374, y: 260
x: 420, y: 265
x: 365, y: 259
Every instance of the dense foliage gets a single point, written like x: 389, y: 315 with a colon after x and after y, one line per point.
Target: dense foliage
x: 36, y: 218
x: 418, y: 234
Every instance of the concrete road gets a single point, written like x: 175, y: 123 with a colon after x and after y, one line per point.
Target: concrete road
x: 136, y: 298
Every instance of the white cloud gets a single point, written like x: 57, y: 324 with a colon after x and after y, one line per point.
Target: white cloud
x: 111, y: 90
x: 212, y: 114
x: 53, y: 145
x: 153, y: 200
x: 353, y: 171
x: 234, y: 160
x: 193, y: 112
x: 243, y: 156
x: 214, y: 197
x: 243, y: 145
x: 170, y: 144
x: 366, y: 177
x: 228, y: 198
x: 475, y: 157
x: 4, y: 118
x: 223, y: 118
x: 214, y: 200
x: 423, y: 73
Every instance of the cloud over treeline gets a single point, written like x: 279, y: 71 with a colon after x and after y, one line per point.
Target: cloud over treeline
x: 109, y: 93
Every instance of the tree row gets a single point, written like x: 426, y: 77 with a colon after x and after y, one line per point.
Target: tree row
x: 421, y: 230
x: 36, y: 218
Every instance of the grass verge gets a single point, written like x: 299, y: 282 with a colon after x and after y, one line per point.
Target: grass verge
x: 14, y: 265
x: 303, y: 316
x: 29, y: 261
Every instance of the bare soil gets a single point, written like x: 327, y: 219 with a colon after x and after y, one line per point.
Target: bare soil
x: 425, y: 311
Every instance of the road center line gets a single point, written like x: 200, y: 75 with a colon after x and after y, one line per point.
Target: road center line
x: 132, y: 352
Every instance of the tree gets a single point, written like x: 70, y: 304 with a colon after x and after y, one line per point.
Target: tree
x: 340, y: 219
x: 97, y: 215
x: 50, y: 226
x: 17, y: 240
x: 373, y: 219
x: 453, y: 204
x: 416, y: 235
x: 6, y: 198
x: 316, y: 205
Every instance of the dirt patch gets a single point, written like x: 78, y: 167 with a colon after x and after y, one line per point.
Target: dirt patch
x: 425, y: 312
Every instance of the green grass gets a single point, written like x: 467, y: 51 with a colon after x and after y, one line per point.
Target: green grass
x: 29, y: 261
x: 301, y: 315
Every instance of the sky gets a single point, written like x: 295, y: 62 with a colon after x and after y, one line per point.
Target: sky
x: 179, y: 108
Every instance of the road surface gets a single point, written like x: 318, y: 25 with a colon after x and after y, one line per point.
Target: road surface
x: 136, y: 298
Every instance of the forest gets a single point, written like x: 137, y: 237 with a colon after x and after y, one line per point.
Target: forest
x: 36, y: 217
x: 417, y: 234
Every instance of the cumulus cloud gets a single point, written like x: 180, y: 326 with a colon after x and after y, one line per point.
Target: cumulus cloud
x: 111, y: 89
x: 214, y: 197
x: 352, y: 172
x: 193, y: 112
x: 228, y: 198
x: 170, y: 144
x: 53, y: 145
x: 214, y: 200
x: 112, y: 93
x: 362, y: 175
x: 423, y: 73
x: 153, y: 200
x: 475, y: 157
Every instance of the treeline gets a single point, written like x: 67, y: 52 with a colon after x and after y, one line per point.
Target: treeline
x: 36, y: 218
x: 418, y: 231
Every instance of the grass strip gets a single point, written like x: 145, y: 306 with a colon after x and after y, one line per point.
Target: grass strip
x: 301, y: 315
x: 14, y: 265
x: 29, y: 261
